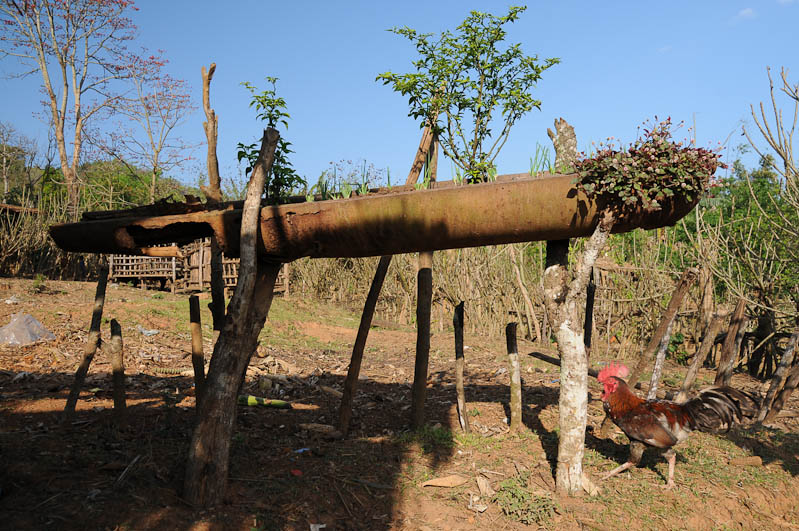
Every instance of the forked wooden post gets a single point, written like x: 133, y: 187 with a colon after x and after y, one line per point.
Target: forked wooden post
x: 205, y: 482
x: 92, y: 343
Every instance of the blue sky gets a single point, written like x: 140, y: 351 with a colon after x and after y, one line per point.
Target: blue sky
x: 621, y: 63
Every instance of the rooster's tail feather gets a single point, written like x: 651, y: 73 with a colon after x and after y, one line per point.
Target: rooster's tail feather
x: 718, y: 408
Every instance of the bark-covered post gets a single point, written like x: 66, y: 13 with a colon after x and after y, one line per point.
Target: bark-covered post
x: 118, y: 370
x: 209, y: 449
x: 731, y: 345
x: 457, y: 323
x: 588, y: 328
x: 91, y: 345
x: 213, y: 194
x: 197, y: 355
x: 424, y: 296
x: 351, y: 382
x: 708, y: 341
x: 515, y: 378
x: 565, y: 295
x: 424, y: 304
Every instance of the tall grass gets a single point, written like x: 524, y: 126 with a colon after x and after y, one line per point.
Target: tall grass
x: 26, y: 248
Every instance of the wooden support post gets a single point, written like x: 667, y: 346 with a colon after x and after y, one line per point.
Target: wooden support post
x: 351, y: 382
x: 92, y: 343
x: 118, y: 371
x: 197, y: 356
x: 424, y: 296
x: 424, y: 304
x: 205, y: 482
x: 709, y: 339
x: 588, y: 328
x: 732, y: 343
x: 174, y: 275
x: 457, y: 323
x: 515, y: 378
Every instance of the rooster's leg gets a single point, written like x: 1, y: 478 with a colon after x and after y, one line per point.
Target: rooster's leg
x: 618, y: 470
x: 671, y: 458
x: 636, y: 452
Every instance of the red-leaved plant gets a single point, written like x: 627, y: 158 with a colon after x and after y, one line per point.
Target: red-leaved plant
x: 652, y: 170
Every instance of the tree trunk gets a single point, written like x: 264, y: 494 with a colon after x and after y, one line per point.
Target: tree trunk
x: 424, y: 296
x: 209, y: 450
x: 763, y: 340
x: 424, y: 303
x: 565, y: 295
x: 588, y: 327
x: 729, y: 352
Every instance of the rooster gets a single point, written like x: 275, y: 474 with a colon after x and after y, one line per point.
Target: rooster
x: 663, y: 424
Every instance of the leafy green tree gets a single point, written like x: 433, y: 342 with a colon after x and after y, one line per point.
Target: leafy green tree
x: 271, y: 108
x: 470, y: 77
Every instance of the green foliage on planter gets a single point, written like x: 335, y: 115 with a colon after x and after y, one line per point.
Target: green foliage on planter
x: 271, y: 108
x: 652, y: 170
x: 479, y: 85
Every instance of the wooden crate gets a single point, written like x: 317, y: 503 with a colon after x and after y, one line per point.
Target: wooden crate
x: 145, y: 269
x: 197, y: 269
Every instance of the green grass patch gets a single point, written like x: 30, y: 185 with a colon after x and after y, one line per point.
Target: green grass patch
x: 519, y: 503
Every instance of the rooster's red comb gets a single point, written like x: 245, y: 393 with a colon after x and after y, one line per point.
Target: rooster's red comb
x: 614, y: 369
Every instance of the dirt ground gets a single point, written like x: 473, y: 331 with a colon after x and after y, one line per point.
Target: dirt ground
x: 93, y: 473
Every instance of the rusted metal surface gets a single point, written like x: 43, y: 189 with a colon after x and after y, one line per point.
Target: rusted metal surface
x: 514, y: 209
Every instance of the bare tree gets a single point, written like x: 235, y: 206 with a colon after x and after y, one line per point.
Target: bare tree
x: 156, y: 104
x: 78, y: 46
x: 17, y: 156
